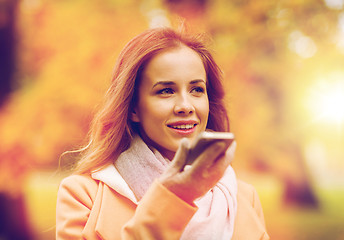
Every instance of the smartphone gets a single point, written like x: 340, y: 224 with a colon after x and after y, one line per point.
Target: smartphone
x: 204, y: 140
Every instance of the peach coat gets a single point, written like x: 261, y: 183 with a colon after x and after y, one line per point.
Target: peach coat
x: 90, y: 209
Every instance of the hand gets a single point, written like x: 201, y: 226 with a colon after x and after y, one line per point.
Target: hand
x: 192, y: 182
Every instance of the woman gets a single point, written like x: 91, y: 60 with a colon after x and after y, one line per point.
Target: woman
x: 132, y: 182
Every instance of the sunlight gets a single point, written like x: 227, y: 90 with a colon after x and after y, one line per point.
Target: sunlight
x: 332, y: 105
x: 326, y: 100
x: 302, y: 45
x: 334, y: 4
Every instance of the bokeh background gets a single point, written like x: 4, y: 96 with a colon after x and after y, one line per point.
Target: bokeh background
x: 284, y: 76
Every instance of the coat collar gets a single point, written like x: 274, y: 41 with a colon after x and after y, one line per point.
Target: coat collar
x: 111, y: 177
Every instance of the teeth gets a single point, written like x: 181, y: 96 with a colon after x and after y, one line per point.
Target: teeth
x: 185, y: 127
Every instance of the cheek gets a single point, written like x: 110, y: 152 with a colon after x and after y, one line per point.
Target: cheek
x: 203, y: 109
x: 155, y: 111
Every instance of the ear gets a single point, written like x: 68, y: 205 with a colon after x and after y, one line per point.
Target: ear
x: 134, y: 116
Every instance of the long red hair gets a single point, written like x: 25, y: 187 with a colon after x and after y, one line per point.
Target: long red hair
x: 112, y: 130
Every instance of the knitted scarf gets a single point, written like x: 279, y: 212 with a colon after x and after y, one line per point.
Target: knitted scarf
x: 140, y: 166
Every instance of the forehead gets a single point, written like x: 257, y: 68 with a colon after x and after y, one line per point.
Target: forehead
x: 175, y: 64
x: 177, y: 51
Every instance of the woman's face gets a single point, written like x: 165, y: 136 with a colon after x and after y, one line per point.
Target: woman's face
x: 172, y: 99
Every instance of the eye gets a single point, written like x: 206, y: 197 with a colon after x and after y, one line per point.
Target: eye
x: 165, y: 91
x: 198, y: 90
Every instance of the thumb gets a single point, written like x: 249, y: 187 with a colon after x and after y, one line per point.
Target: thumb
x: 180, y: 157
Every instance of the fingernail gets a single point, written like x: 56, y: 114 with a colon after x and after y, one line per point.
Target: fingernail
x: 220, y: 145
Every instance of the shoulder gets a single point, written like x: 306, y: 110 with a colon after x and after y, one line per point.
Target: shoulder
x: 78, y: 180
x: 244, y: 186
x: 248, y: 199
x: 249, y: 214
x: 75, y: 200
x: 247, y: 195
x: 82, y: 187
x: 247, y: 191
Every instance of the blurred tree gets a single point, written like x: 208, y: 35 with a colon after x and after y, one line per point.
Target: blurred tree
x: 188, y: 9
x: 7, y: 46
x: 270, y: 52
x: 259, y: 70
x: 67, y: 48
x: 13, y: 220
x: 14, y: 224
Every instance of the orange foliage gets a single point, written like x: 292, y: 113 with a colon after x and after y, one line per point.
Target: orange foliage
x: 66, y: 50
x: 272, y: 53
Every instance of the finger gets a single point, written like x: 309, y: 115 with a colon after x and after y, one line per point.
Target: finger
x: 228, y: 155
x: 209, y: 155
x: 224, y: 161
x: 231, y: 151
x: 180, y: 157
x: 214, y: 162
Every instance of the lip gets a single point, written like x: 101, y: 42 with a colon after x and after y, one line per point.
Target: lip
x: 183, y: 132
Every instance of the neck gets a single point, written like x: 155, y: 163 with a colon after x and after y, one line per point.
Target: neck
x: 151, y: 144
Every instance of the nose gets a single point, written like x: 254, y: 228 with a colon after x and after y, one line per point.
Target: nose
x: 183, y: 105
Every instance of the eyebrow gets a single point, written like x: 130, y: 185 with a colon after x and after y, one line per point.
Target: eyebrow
x: 169, y: 83
x: 197, y: 81
x: 165, y: 83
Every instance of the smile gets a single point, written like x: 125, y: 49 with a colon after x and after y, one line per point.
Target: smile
x: 183, y: 126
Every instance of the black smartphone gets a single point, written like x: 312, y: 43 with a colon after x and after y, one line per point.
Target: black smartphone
x: 204, y: 140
